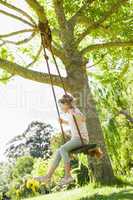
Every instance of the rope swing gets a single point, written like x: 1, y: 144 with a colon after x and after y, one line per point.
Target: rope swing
x: 46, y: 40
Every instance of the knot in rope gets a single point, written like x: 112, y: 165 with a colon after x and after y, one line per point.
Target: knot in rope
x: 46, y: 34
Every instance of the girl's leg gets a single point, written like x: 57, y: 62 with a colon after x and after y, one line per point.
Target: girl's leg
x: 64, y: 151
x: 54, y: 164
x: 51, y: 169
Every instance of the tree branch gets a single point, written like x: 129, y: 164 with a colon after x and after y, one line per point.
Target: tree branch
x: 6, y: 78
x: 106, y: 15
x: 18, y: 42
x: 107, y: 45
x: 8, y: 5
x: 16, y: 69
x: 3, y: 43
x: 66, y: 29
x: 59, y: 10
x: 35, y: 58
x: 38, y: 9
x: 29, y: 65
x: 79, y: 13
x: 17, y: 18
x: 16, y: 33
x: 102, y: 57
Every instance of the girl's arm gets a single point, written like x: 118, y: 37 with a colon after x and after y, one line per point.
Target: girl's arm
x: 79, y: 116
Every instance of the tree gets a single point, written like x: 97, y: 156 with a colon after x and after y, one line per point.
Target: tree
x: 35, y: 141
x: 81, y: 31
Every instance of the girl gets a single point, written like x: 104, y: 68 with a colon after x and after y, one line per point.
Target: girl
x: 67, y: 106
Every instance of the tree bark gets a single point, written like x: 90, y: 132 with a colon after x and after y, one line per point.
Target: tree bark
x: 101, y: 171
x: 41, y: 77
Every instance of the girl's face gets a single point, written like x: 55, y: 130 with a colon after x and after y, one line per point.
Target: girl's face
x: 65, y: 107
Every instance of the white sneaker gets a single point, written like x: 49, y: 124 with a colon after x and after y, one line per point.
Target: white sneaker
x: 66, y: 181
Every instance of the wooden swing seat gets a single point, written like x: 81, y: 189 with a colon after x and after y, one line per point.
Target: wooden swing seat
x: 84, y: 148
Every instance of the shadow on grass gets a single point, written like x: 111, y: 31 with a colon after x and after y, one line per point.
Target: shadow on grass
x: 120, y: 182
x: 123, y: 195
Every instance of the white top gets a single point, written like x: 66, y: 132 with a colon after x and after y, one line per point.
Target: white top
x: 73, y: 128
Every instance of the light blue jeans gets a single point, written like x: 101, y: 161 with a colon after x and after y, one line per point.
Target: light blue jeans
x: 64, y: 150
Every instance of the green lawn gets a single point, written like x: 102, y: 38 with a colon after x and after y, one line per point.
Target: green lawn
x: 89, y: 193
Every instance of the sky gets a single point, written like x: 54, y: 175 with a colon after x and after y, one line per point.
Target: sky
x: 23, y: 101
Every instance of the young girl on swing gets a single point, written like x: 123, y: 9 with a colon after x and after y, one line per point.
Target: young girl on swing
x: 67, y: 106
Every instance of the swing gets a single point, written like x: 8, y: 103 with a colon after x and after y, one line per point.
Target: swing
x: 46, y: 39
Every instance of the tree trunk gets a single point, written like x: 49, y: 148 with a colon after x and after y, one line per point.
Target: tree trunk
x: 101, y: 171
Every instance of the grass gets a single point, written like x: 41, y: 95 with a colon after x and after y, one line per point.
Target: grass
x: 90, y: 193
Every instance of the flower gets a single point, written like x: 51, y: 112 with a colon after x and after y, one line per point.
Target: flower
x: 33, y: 185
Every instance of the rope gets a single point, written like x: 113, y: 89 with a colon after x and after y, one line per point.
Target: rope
x: 63, y: 85
x: 52, y: 86
x: 48, y: 45
x: 74, y: 118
